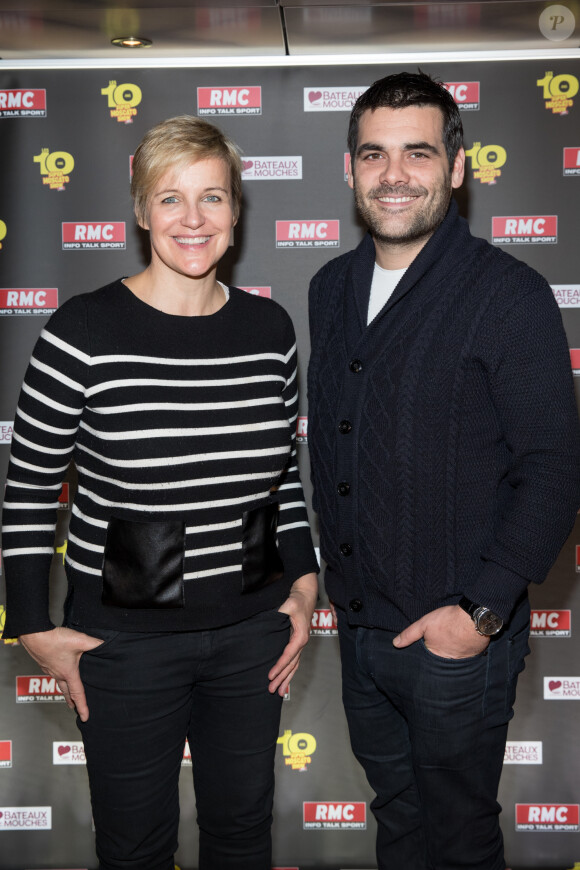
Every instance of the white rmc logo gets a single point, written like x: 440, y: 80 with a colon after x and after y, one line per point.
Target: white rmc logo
x: 26, y: 299
x: 548, y: 814
x: 94, y: 232
x: 545, y: 620
x: 16, y: 99
x: 234, y: 97
x: 308, y: 231
x: 335, y: 812
x: 523, y: 227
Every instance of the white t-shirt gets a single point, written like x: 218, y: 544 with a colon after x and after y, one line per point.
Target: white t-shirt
x: 384, y: 282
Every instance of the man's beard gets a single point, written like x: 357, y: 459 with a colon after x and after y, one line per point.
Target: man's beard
x: 422, y: 224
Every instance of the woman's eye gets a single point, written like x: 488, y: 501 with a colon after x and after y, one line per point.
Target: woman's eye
x: 212, y: 198
x: 169, y: 199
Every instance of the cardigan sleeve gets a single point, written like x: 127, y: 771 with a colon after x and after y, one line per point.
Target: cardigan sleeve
x: 530, y: 382
x: 45, y: 426
x: 294, y: 536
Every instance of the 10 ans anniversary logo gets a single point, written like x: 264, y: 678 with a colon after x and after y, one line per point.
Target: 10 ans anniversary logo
x: 297, y: 749
x: 486, y: 161
x: 558, y: 92
x: 55, y: 168
x: 5, y: 641
x: 122, y: 100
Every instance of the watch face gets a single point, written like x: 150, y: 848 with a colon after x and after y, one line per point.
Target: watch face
x: 488, y: 622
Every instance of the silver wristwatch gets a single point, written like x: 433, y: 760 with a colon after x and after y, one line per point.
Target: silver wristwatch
x: 485, y: 620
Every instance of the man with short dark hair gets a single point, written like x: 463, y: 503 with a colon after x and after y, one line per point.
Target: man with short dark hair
x: 445, y: 455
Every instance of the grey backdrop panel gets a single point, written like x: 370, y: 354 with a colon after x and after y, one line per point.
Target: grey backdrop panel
x: 512, y: 115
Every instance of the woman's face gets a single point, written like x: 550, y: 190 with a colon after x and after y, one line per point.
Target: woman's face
x: 190, y: 218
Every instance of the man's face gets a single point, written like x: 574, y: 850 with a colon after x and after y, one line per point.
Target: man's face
x: 401, y: 176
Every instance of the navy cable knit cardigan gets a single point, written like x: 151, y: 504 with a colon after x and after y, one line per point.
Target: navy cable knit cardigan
x: 444, y: 436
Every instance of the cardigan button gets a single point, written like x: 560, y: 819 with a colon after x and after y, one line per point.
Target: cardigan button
x: 344, y: 427
x: 346, y: 549
x: 343, y: 487
x: 356, y: 604
x: 355, y: 365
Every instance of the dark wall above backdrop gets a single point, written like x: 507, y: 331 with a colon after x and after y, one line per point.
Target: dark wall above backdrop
x: 66, y: 227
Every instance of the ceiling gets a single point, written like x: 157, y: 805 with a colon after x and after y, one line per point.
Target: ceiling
x: 62, y: 30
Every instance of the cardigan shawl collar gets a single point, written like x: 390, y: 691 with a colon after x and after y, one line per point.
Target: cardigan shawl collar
x: 448, y: 240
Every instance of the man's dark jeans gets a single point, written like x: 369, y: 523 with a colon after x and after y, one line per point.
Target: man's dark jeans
x: 430, y: 733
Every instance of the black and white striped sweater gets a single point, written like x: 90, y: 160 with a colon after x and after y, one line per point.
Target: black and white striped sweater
x: 165, y: 417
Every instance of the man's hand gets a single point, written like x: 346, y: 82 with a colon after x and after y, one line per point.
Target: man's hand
x: 448, y: 632
x: 58, y: 652
x: 299, y: 606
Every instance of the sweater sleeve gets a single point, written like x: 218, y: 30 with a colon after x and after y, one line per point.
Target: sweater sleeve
x: 45, y: 427
x: 530, y: 381
x: 294, y: 536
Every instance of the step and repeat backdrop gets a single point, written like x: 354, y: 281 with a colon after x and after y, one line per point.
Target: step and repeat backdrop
x: 66, y: 227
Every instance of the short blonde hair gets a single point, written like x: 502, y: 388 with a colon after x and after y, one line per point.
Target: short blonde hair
x: 177, y: 142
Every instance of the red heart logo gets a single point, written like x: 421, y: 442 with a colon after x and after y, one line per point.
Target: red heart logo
x: 62, y: 750
x: 554, y: 684
x: 248, y: 164
x: 313, y: 96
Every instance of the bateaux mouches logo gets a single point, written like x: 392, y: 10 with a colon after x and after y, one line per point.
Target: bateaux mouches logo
x: 551, y: 623
x: 72, y: 752
x: 97, y: 235
x: 6, y: 430
x: 297, y: 749
x: 22, y: 103
x: 323, y: 624
x: 523, y: 752
x: 28, y: 301
x: 31, y: 689
x: 308, y: 234
x: 230, y: 101
x: 465, y: 94
x: 122, y: 100
x: 334, y: 815
x: 55, y: 168
x: 561, y: 688
x: 571, y: 161
x: 486, y: 161
x: 558, y: 92
x: 272, y: 168
x: 25, y: 818
x: 547, y: 817
x: 525, y: 230
x: 567, y: 295
x: 337, y: 99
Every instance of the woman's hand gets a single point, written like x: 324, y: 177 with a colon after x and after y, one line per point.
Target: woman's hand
x: 58, y: 652
x: 299, y: 606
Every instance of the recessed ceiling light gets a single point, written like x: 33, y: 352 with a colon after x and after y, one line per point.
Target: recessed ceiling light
x: 132, y: 42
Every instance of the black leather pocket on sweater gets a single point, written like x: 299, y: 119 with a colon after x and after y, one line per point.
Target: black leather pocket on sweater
x: 143, y: 564
x: 261, y: 562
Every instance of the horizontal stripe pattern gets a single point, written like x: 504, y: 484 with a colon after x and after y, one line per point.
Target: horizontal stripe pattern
x: 155, y: 434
